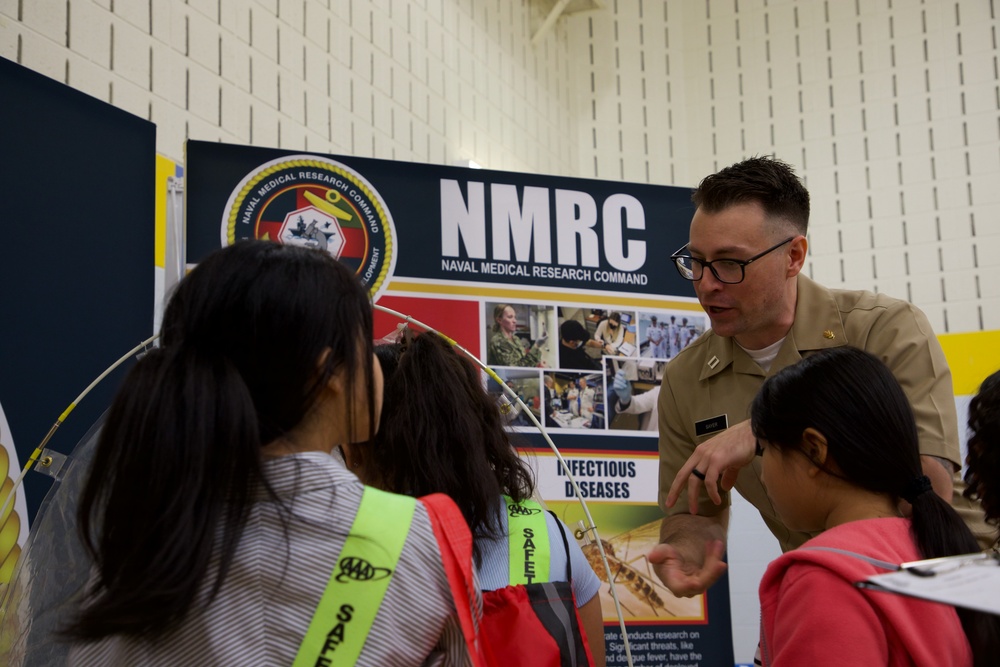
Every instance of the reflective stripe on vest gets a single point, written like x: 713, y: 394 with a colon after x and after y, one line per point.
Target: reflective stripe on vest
x: 358, y: 582
x: 529, y: 542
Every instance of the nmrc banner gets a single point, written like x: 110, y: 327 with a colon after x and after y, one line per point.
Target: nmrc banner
x: 563, y: 286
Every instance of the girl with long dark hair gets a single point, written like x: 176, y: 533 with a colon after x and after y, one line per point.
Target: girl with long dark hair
x: 442, y: 432
x: 839, y: 447
x: 214, y: 512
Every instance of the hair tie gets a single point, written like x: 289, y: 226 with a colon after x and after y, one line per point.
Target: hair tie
x: 917, y: 487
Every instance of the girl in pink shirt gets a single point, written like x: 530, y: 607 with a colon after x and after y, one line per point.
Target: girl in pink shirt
x: 839, y: 447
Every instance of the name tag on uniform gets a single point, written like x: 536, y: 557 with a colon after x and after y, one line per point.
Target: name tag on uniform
x: 711, y: 425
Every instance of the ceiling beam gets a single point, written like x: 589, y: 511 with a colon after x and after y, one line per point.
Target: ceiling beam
x: 549, y: 21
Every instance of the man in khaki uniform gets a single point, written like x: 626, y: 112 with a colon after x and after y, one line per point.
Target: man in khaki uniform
x: 745, y: 256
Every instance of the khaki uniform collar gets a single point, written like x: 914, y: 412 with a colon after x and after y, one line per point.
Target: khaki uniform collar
x: 817, y: 326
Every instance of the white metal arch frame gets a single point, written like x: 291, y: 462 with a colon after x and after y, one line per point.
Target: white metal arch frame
x: 46, y: 461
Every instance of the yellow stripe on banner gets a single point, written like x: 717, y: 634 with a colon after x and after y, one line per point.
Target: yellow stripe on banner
x: 507, y: 293
x: 972, y: 357
x: 164, y: 169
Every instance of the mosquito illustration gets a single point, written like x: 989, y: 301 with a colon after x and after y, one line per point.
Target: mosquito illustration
x: 640, y: 593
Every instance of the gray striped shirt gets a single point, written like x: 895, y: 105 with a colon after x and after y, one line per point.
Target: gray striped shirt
x: 280, y: 570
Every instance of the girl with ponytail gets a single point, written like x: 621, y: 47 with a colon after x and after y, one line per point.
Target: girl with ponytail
x: 839, y: 453
x: 214, y: 513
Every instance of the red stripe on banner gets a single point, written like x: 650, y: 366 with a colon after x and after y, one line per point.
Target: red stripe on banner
x: 459, y: 320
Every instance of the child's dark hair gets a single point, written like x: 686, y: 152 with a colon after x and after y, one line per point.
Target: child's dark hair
x: 983, y: 458
x: 388, y: 357
x: 854, y: 400
x: 248, y: 339
x: 442, y: 432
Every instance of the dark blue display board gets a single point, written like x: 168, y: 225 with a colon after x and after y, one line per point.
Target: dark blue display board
x: 77, y: 258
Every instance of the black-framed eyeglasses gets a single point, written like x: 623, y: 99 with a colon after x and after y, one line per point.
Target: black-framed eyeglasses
x: 729, y: 271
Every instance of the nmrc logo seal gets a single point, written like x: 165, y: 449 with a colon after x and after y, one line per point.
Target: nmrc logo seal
x: 312, y: 201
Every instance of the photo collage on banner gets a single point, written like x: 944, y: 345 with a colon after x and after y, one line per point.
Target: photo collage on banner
x: 601, y: 368
x: 559, y: 285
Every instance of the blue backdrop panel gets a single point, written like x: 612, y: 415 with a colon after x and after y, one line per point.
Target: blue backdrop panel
x: 76, y: 261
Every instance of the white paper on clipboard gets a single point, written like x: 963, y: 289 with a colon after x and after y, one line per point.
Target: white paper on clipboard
x: 971, y: 581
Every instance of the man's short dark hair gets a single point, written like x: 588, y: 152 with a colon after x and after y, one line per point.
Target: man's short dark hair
x: 573, y: 330
x: 765, y: 180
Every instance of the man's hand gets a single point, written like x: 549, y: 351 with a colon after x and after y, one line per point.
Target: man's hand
x: 686, y: 576
x: 689, y: 557
x: 717, y: 462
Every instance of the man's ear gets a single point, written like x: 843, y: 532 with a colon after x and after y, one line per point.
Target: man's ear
x: 815, y: 447
x: 797, y: 251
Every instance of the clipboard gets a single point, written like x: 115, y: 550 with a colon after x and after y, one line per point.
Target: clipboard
x: 971, y: 581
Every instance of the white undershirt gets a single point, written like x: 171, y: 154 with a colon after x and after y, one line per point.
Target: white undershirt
x: 765, y: 356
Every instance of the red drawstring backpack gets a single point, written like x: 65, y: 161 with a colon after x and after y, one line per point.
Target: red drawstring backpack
x: 533, y: 621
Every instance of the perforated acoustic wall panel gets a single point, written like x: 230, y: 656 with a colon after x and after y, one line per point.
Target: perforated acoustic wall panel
x: 890, y: 109
x: 423, y: 80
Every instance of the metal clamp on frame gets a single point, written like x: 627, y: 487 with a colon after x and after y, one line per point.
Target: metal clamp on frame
x: 53, y: 464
